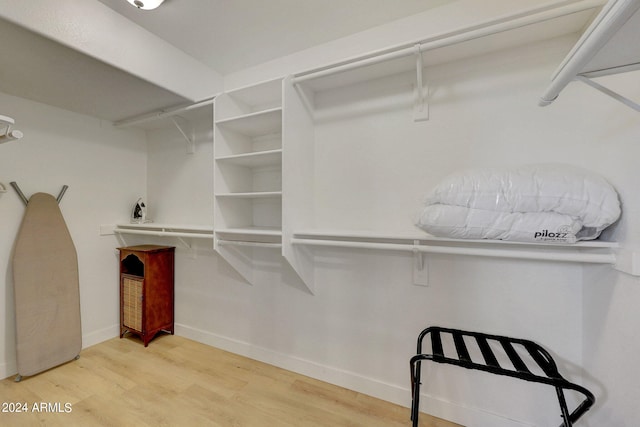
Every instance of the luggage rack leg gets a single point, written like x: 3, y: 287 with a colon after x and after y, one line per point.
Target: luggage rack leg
x: 563, y: 408
x: 415, y: 392
x: 461, y: 358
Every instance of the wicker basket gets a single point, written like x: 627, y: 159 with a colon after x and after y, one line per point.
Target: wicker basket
x: 132, y: 303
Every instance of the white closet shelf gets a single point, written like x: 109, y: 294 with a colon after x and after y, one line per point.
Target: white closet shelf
x: 242, y: 243
x: 595, y: 252
x: 260, y: 123
x: 251, y: 195
x: 250, y: 231
x: 263, y: 237
x: 537, y: 24
x: 166, y: 230
x: 608, y: 46
x: 162, y: 118
x: 254, y: 159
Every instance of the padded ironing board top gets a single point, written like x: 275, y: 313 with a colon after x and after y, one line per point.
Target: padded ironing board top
x: 46, y: 289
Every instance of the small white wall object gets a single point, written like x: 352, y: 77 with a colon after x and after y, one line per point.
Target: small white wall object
x: 6, y: 133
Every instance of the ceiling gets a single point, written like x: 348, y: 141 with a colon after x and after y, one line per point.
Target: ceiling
x: 229, y: 35
x: 48, y: 72
x: 224, y: 35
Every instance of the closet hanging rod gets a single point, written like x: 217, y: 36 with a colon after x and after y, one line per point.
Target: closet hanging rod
x: 543, y: 255
x: 162, y: 233
x: 161, y: 114
x: 487, y: 28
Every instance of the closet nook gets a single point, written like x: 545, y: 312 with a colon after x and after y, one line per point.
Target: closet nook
x: 277, y: 146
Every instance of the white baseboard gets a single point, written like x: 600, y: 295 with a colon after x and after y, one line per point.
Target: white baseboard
x: 101, y: 335
x: 470, y: 417
x: 8, y: 369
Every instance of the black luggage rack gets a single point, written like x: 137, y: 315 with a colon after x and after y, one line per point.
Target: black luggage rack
x: 538, y: 355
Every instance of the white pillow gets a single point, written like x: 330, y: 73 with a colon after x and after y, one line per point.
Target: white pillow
x: 578, y: 196
x: 459, y: 222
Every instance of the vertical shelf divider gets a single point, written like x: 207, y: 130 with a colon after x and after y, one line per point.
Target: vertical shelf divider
x: 297, y: 180
x: 248, y: 174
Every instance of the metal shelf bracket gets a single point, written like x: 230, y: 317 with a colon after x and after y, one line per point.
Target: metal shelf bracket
x: 186, y: 129
x: 420, y: 270
x: 421, y: 105
x: 626, y: 101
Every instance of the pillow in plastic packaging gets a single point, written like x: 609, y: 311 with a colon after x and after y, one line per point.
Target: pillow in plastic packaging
x: 537, y: 203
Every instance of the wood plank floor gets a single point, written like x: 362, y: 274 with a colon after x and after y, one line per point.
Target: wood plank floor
x: 179, y: 382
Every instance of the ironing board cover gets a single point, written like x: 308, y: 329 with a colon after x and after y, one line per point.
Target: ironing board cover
x: 46, y: 289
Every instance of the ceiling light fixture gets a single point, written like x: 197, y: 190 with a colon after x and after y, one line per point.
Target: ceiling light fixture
x: 146, y: 4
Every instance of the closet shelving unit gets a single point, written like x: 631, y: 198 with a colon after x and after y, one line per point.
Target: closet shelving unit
x: 609, y: 46
x: 536, y: 24
x: 304, y: 100
x: 248, y: 173
x: 182, y: 119
x: 265, y: 152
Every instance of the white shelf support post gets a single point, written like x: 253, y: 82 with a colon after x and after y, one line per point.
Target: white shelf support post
x: 186, y: 129
x: 626, y: 101
x: 420, y: 270
x: 421, y: 106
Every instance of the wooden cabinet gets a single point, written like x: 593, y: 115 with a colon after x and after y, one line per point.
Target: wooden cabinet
x: 146, y: 290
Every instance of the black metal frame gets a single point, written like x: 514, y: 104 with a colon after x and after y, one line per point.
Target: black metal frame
x: 490, y: 364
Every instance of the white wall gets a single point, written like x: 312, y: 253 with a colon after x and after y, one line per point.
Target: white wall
x: 181, y: 183
x: 105, y: 170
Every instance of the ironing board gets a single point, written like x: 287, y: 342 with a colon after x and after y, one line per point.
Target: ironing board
x: 46, y: 289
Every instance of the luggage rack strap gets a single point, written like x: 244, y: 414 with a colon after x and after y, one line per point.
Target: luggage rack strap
x: 539, y: 365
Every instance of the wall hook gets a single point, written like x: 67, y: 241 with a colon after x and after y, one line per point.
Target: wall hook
x: 8, y: 134
x: 24, y: 198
